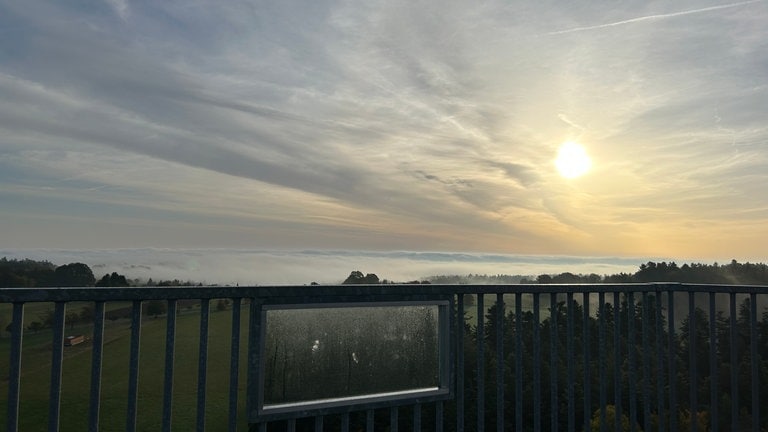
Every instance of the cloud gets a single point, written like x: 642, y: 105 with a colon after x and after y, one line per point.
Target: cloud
x: 654, y: 17
x: 274, y: 267
x: 386, y: 124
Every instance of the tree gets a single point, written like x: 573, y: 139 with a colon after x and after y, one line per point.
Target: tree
x: 357, y: 278
x: 72, y: 319
x: 113, y: 280
x: 74, y: 275
x: 86, y: 313
x: 47, y: 318
x: 35, y: 326
x: 156, y: 307
x: 610, y: 421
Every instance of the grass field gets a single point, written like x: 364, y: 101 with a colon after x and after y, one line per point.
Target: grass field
x: 36, y: 363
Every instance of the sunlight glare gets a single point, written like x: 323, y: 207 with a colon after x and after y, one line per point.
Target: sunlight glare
x: 572, y: 160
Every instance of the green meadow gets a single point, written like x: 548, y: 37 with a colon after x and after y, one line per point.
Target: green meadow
x: 76, y: 376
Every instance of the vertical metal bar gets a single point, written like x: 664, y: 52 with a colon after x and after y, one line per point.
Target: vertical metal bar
x: 170, y: 348
x: 646, y: 320
x: 601, y: 360
x: 56, y: 365
x: 133, y: 367
x: 673, y: 408
x: 254, y: 353
x: 571, y: 360
x: 96, y: 362
x: 714, y: 381
x: 518, y: 361
x: 319, y: 423
x: 234, y: 363
x: 369, y: 420
x: 439, y: 413
x: 617, y: 358
x: 291, y: 425
x: 202, y: 363
x: 694, y: 373
x: 632, y: 376
x: 734, y: 366
x: 755, y: 361
x: 499, y: 329
x: 659, y: 361
x: 393, y: 419
x: 587, y: 363
x: 553, y: 361
x: 460, y: 363
x: 345, y: 422
x: 536, y: 365
x: 14, y: 373
x: 480, y: 363
x: 417, y: 417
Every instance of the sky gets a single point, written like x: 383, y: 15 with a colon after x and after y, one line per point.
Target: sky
x: 426, y: 126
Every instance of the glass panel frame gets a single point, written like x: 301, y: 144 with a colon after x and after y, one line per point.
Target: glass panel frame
x: 259, y: 410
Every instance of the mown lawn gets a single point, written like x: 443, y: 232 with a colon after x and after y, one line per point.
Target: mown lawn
x: 36, y: 362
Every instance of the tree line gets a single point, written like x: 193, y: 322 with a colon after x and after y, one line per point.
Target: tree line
x: 27, y: 273
x: 733, y: 273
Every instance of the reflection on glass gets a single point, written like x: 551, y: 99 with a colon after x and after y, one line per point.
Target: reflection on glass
x: 339, y: 352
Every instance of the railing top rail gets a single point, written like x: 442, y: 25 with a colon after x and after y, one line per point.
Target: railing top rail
x: 347, y: 292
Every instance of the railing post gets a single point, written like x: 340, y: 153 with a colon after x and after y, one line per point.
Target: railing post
x: 254, y: 333
x: 133, y: 368
x: 617, y: 381
x: 659, y: 360
x: 673, y: 345
x: 96, y: 362
x: 499, y: 329
x: 694, y: 374
x: 518, y: 361
x: 713, y: 365
x: 734, y: 366
x: 536, y: 364
x: 14, y: 374
x: 553, y: 330
x: 56, y: 366
x: 601, y: 360
x: 632, y: 376
x: 755, y: 361
x: 571, y: 359
x: 234, y: 363
x: 460, y: 363
x: 646, y: 322
x: 170, y: 346
x: 393, y: 420
x: 480, y: 332
x: 585, y: 330
x: 202, y: 363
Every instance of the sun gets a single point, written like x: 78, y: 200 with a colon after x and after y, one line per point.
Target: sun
x: 572, y: 160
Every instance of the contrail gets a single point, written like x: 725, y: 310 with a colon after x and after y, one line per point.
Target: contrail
x: 653, y: 17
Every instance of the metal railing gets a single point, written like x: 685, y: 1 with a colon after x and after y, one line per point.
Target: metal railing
x: 652, y: 357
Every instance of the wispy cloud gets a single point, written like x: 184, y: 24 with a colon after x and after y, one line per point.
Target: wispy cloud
x: 384, y: 125
x: 654, y: 17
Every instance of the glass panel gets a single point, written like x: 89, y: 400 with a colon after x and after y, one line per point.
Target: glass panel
x: 328, y: 353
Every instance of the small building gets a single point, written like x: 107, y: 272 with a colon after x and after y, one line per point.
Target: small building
x: 74, y: 340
